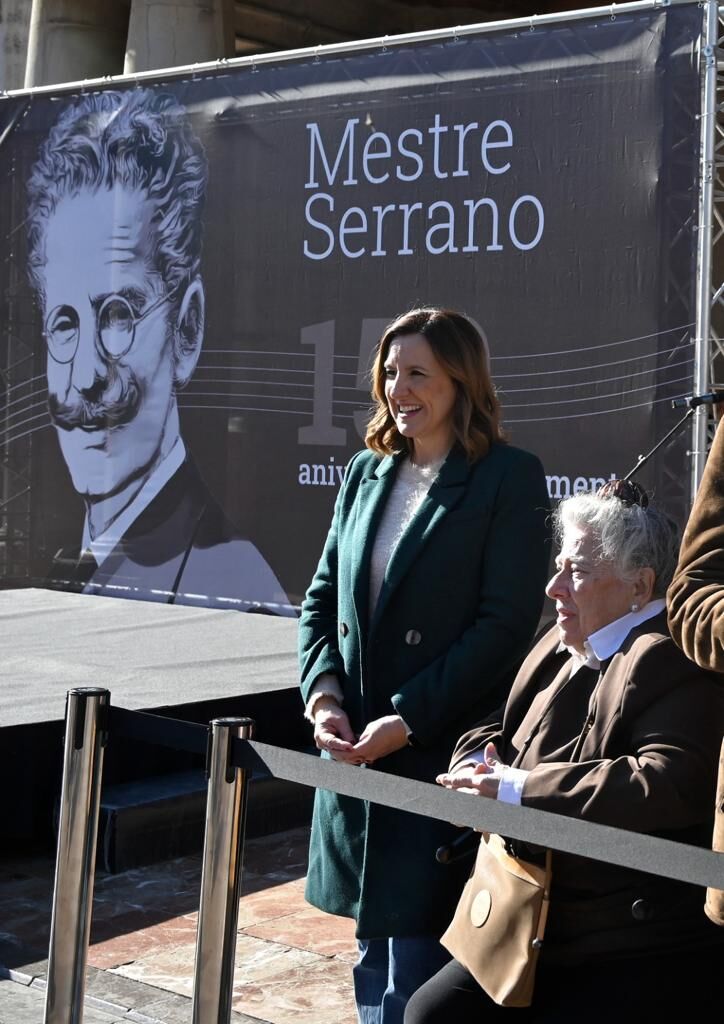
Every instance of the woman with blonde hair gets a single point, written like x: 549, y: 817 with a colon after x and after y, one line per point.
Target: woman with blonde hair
x: 425, y: 599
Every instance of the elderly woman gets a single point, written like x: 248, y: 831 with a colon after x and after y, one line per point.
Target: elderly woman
x: 426, y: 596
x: 609, y: 722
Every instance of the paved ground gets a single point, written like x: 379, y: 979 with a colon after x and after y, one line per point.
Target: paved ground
x: 292, y: 962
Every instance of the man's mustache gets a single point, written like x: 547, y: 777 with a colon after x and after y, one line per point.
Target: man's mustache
x: 111, y: 401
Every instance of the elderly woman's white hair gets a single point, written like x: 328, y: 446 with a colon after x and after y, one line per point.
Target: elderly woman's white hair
x: 627, y: 536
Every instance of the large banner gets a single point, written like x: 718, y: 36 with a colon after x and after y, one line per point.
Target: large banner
x: 195, y: 272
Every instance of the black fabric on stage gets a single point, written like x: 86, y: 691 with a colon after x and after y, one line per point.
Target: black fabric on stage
x: 168, y: 732
x: 147, y: 655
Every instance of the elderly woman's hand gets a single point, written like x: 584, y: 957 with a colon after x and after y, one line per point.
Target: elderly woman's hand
x: 482, y: 779
x: 381, y: 737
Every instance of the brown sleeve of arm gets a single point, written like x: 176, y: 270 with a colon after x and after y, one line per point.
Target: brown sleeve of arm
x: 662, y: 770
x: 696, y: 595
x: 473, y: 741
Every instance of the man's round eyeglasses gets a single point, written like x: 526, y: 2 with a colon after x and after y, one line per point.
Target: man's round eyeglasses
x: 115, y: 327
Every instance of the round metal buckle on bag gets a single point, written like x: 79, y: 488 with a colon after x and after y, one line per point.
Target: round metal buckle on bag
x: 480, y: 908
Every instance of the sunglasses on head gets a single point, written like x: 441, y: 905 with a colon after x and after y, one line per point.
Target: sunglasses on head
x: 627, y: 491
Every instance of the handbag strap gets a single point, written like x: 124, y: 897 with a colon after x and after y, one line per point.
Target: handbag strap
x: 545, y: 905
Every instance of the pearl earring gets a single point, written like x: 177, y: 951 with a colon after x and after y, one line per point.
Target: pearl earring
x: 634, y: 607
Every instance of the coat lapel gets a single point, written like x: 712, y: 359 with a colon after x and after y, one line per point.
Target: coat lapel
x: 444, y: 494
x: 373, y: 494
x: 544, y: 659
x: 610, y: 697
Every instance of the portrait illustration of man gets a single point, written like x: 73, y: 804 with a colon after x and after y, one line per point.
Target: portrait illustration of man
x: 115, y: 209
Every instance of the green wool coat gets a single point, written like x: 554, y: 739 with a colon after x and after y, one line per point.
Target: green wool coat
x: 458, y: 608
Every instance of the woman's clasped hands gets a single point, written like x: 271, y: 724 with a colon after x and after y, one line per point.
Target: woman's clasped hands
x: 333, y: 733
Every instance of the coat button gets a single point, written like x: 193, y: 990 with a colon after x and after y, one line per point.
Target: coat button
x: 412, y: 637
x: 343, y: 628
x: 641, y: 910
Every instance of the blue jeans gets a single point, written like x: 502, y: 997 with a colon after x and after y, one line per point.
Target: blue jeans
x: 389, y: 971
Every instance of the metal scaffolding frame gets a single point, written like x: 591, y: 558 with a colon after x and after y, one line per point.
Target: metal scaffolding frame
x: 612, y: 10
x: 708, y: 348
x: 716, y: 239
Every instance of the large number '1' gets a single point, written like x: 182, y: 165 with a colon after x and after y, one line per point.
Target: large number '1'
x: 321, y: 430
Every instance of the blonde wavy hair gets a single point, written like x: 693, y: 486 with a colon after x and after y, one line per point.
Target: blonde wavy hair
x: 460, y: 349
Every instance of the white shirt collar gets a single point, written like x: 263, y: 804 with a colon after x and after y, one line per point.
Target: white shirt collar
x: 102, y: 545
x: 605, y: 642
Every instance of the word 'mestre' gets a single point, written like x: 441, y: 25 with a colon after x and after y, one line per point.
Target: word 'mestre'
x: 438, y: 152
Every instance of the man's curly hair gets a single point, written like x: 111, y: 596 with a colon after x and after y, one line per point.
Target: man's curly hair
x: 140, y: 139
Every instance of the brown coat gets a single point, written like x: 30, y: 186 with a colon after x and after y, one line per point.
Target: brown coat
x: 696, y: 607
x: 634, y: 746
x: 696, y: 595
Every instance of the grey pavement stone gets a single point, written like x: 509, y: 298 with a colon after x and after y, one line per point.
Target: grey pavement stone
x: 171, y: 1009
x: 25, y: 973
x: 176, y: 1009
x: 120, y: 991
x: 110, y: 999
x: 23, y: 1004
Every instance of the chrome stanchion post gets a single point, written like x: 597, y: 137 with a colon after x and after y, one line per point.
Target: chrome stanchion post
x: 85, y: 735
x: 220, y: 875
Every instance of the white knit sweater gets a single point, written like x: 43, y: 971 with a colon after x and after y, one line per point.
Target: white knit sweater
x: 410, y: 487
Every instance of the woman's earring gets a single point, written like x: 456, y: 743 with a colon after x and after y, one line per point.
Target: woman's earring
x: 634, y: 607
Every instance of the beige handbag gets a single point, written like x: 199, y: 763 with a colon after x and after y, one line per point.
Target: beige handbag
x: 498, y: 927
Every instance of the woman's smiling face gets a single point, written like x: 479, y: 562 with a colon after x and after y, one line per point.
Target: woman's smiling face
x: 420, y: 396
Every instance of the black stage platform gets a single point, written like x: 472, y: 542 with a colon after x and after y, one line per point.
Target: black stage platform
x: 146, y: 654
x: 189, y: 663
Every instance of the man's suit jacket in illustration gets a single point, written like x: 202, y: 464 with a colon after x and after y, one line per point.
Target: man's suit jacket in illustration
x: 181, y: 550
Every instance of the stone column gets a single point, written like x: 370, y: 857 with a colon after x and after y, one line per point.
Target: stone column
x: 171, y: 33
x: 75, y: 39
x: 14, y: 26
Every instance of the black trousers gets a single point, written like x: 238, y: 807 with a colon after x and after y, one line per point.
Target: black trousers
x: 658, y: 988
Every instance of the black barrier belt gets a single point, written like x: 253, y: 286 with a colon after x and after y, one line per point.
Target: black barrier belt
x: 165, y: 732
x: 626, y: 849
